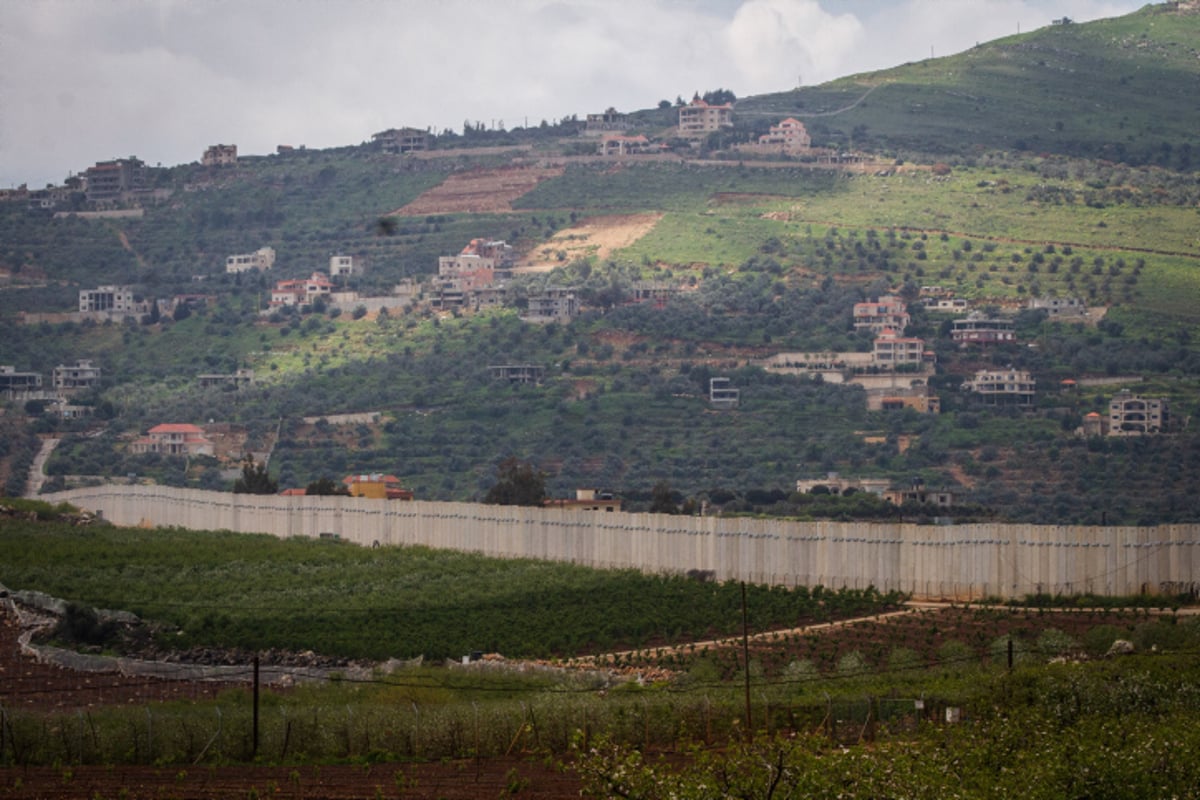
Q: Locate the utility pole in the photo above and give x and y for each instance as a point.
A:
(746, 659)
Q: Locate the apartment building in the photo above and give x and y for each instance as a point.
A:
(977, 328)
(344, 266)
(891, 350)
(698, 118)
(888, 312)
(111, 180)
(174, 439)
(83, 374)
(1132, 415)
(789, 137)
(401, 140)
(220, 155)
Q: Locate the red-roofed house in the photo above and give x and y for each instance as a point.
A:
(174, 439)
(301, 291)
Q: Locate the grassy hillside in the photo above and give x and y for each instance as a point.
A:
(1119, 89)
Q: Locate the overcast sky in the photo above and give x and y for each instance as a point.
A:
(88, 80)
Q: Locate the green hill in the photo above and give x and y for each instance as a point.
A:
(974, 188)
(1121, 89)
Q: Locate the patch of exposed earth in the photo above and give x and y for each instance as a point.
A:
(479, 191)
(595, 237)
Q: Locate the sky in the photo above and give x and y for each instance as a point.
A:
(88, 80)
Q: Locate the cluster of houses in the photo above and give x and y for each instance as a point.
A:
(67, 380)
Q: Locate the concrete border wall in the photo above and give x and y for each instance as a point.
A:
(932, 562)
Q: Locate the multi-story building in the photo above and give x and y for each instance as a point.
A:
(1059, 306)
(978, 328)
(174, 439)
(112, 299)
(16, 385)
(888, 312)
(1003, 386)
(1131, 415)
(340, 266)
(892, 350)
(722, 393)
(220, 155)
(401, 140)
(82, 375)
(261, 259)
(698, 118)
(789, 136)
(110, 180)
(553, 304)
(236, 379)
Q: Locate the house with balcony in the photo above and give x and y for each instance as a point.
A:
(260, 260)
(1014, 387)
(978, 328)
(114, 180)
(888, 312)
(1132, 415)
(83, 374)
(789, 137)
(698, 119)
(890, 350)
(723, 394)
(174, 439)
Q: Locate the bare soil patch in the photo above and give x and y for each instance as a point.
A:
(595, 237)
(479, 191)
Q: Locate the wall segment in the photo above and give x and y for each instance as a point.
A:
(959, 562)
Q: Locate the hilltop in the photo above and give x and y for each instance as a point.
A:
(1036, 174)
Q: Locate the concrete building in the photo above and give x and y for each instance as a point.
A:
(16, 385)
(698, 119)
(236, 379)
(1059, 306)
(1132, 415)
(344, 266)
(888, 312)
(722, 394)
(112, 299)
(608, 122)
(891, 350)
(479, 254)
(835, 484)
(220, 155)
(789, 137)
(612, 145)
(261, 260)
(82, 375)
(174, 439)
(1003, 387)
(401, 140)
(977, 328)
(553, 304)
(112, 180)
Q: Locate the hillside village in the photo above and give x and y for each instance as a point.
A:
(920, 331)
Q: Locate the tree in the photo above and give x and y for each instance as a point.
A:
(255, 479)
(662, 499)
(518, 483)
(325, 486)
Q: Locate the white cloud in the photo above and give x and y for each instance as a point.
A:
(776, 43)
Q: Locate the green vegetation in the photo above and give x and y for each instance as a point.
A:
(257, 592)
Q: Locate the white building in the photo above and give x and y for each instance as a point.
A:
(261, 259)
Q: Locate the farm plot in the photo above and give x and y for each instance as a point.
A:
(478, 191)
